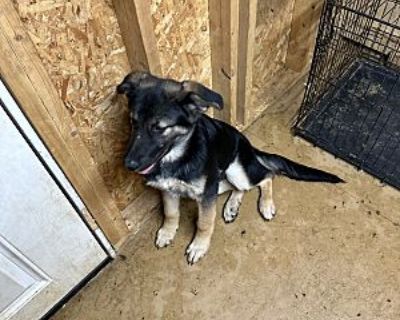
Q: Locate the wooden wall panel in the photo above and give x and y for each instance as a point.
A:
(303, 31)
(80, 45)
(271, 42)
(23, 72)
(182, 34)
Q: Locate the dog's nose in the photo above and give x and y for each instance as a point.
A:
(131, 164)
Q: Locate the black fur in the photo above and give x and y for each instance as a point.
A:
(282, 166)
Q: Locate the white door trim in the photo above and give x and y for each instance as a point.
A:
(36, 143)
(31, 277)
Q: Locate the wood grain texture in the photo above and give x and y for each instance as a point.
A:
(80, 45)
(182, 34)
(223, 20)
(270, 48)
(141, 209)
(247, 26)
(27, 79)
(137, 31)
(303, 30)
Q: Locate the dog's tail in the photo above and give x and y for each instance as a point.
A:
(282, 166)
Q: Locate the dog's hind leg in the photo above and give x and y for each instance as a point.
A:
(224, 186)
(232, 205)
(266, 205)
(171, 220)
(205, 227)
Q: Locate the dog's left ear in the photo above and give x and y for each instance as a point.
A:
(198, 97)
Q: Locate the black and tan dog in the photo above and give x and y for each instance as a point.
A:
(185, 153)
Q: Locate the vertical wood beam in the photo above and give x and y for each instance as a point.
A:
(134, 19)
(247, 27)
(223, 15)
(25, 76)
(305, 19)
(232, 29)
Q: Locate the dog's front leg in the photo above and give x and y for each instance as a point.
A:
(171, 220)
(205, 227)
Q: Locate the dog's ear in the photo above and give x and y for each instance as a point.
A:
(198, 97)
(132, 81)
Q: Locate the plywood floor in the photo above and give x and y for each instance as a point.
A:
(332, 252)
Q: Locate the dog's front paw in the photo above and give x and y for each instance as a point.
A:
(267, 210)
(196, 250)
(164, 237)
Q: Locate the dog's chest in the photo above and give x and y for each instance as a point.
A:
(193, 189)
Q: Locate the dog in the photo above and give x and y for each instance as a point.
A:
(185, 153)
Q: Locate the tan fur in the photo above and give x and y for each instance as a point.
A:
(171, 219)
(193, 190)
(266, 203)
(205, 228)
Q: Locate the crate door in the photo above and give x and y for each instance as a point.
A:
(45, 247)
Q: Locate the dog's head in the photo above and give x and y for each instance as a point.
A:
(163, 113)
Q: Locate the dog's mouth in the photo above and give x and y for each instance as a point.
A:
(144, 170)
(148, 169)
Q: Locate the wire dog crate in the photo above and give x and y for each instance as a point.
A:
(351, 106)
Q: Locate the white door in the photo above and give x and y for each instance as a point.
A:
(45, 247)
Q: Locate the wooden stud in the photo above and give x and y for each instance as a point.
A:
(223, 16)
(137, 31)
(25, 76)
(247, 27)
(232, 30)
(305, 19)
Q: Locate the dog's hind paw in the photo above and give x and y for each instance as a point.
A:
(230, 214)
(196, 250)
(267, 210)
(164, 237)
(231, 210)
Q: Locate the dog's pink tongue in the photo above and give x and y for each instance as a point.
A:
(147, 170)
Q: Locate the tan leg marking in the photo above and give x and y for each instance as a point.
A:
(265, 202)
(205, 227)
(171, 220)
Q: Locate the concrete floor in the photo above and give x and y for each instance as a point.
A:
(332, 252)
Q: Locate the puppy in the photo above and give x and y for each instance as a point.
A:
(185, 153)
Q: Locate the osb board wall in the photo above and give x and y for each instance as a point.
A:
(79, 43)
(183, 40)
(271, 43)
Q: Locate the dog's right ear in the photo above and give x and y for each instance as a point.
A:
(132, 81)
(195, 96)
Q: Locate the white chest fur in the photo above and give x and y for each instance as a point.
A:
(193, 190)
